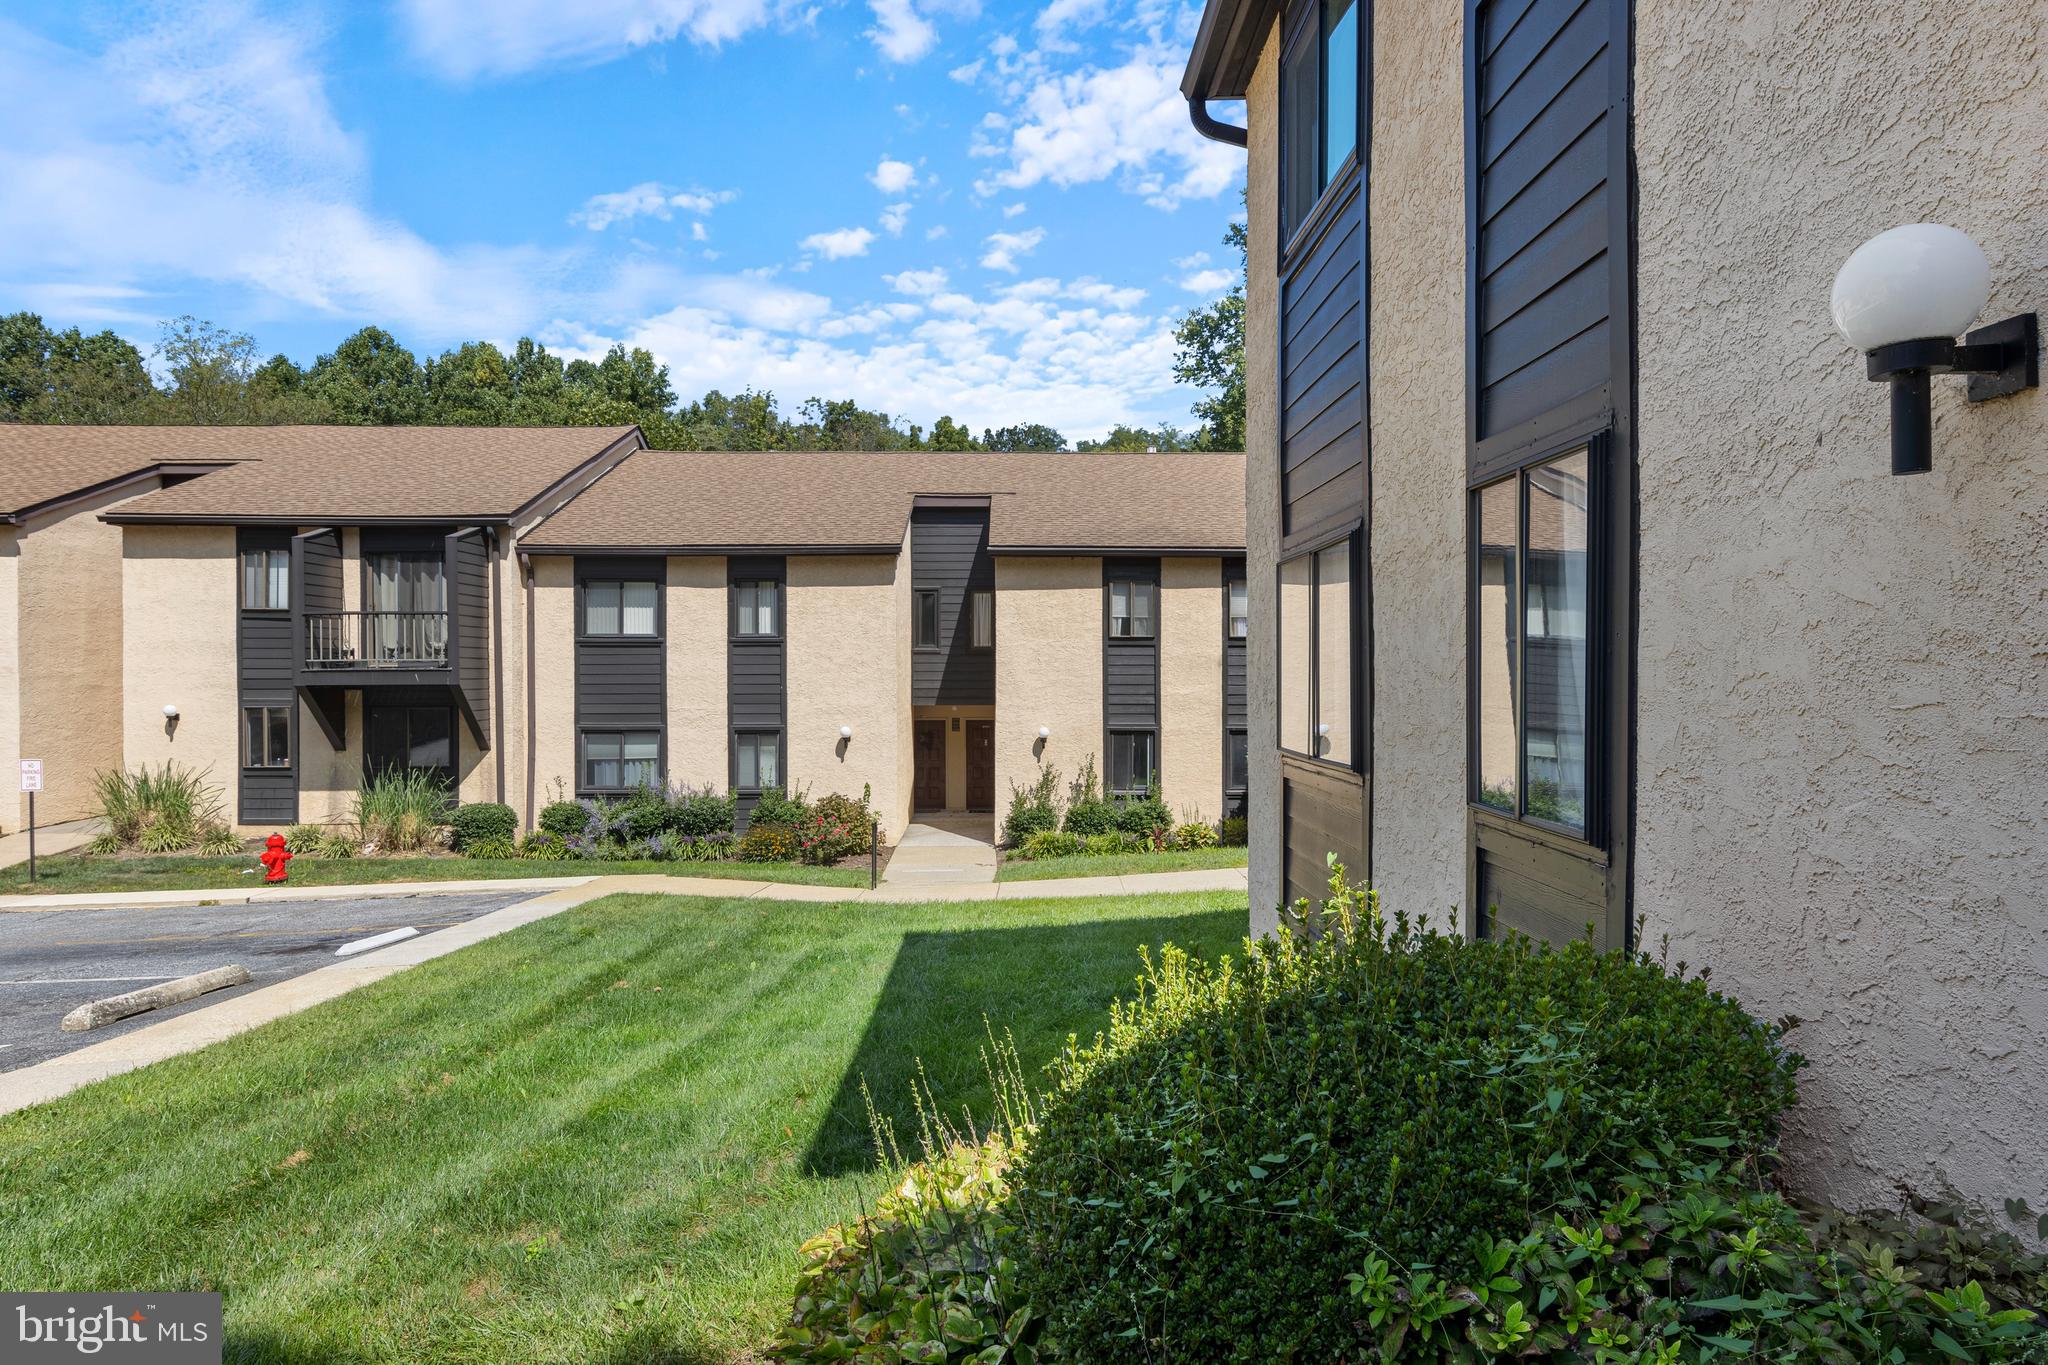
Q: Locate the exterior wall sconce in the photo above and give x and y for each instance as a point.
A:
(170, 712)
(846, 732)
(170, 721)
(1901, 298)
(1045, 732)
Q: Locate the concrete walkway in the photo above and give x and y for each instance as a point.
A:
(59, 838)
(933, 855)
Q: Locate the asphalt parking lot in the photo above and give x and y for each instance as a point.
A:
(52, 961)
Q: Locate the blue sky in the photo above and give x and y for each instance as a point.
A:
(933, 206)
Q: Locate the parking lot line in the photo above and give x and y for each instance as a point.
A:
(77, 980)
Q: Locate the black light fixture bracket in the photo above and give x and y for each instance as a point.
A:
(2000, 360)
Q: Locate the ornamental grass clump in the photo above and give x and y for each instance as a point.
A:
(398, 808)
(166, 809)
(1386, 1087)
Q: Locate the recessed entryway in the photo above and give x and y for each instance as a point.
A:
(954, 770)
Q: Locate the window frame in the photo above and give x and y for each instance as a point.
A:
(284, 711)
(1310, 28)
(919, 597)
(1351, 538)
(733, 610)
(1232, 587)
(1241, 735)
(756, 733)
(1151, 617)
(584, 734)
(1150, 734)
(271, 556)
(1595, 836)
(975, 598)
(620, 582)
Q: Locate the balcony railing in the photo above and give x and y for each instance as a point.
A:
(377, 639)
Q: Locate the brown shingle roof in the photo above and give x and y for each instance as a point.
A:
(829, 500)
(304, 474)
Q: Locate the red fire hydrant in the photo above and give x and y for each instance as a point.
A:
(275, 856)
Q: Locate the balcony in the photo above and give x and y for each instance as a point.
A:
(356, 641)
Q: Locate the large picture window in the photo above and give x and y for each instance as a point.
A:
(624, 608)
(1316, 655)
(267, 580)
(621, 760)
(1530, 665)
(1319, 107)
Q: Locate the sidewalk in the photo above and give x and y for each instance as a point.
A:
(932, 855)
(58, 838)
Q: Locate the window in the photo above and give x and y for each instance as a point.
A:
(925, 618)
(1239, 623)
(1131, 609)
(620, 608)
(1316, 654)
(756, 759)
(1319, 108)
(410, 737)
(1530, 661)
(1133, 761)
(1236, 762)
(266, 580)
(984, 604)
(758, 607)
(267, 736)
(621, 760)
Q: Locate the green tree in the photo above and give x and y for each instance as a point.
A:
(208, 370)
(370, 380)
(630, 377)
(1211, 356)
(470, 386)
(1123, 437)
(68, 376)
(842, 424)
(746, 421)
(1023, 436)
(948, 434)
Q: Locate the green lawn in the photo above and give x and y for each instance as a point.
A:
(71, 872)
(601, 1137)
(1118, 864)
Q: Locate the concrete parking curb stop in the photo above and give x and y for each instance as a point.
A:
(102, 1012)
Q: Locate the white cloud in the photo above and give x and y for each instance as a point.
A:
(1005, 247)
(900, 33)
(840, 243)
(893, 177)
(966, 72)
(894, 219)
(647, 199)
(917, 281)
(934, 232)
(1208, 281)
(1012, 210)
(463, 40)
(1126, 123)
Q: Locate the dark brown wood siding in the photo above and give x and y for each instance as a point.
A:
(1322, 369)
(757, 691)
(266, 674)
(949, 555)
(469, 624)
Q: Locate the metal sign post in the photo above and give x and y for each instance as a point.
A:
(31, 782)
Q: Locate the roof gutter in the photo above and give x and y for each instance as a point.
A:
(1212, 128)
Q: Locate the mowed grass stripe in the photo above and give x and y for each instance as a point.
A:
(607, 1173)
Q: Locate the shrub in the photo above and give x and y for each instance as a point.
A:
(491, 846)
(1234, 832)
(1690, 1254)
(103, 844)
(159, 810)
(857, 815)
(1114, 841)
(1193, 835)
(339, 846)
(1144, 815)
(219, 841)
(1095, 816)
(695, 812)
(398, 808)
(1050, 843)
(542, 846)
(1033, 809)
(768, 844)
(301, 840)
(483, 820)
(564, 819)
(777, 807)
(643, 815)
(1240, 1131)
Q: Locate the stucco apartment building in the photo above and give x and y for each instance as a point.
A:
(1595, 600)
(532, 613)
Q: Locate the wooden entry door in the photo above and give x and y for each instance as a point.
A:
(929, 778)
(981, 765)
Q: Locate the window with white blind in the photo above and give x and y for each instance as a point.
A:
(629, 607)
(757, 607)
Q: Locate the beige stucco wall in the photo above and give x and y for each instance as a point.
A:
(1843, 703)
(13, 809)
(554, 679)
(1191, 687)
(1048, 667)
(696, 645)
(179, 587)
(843, 668)
(68, 607)
(1262, 488)
(1417, 404)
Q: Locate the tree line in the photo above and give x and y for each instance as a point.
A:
(207, 375)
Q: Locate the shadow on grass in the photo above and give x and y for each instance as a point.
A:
(650, 1344)
(1040, 984)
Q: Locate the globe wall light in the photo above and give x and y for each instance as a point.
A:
(1901, 298)
(170, 712)
(1045, 732)
(846, 732)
